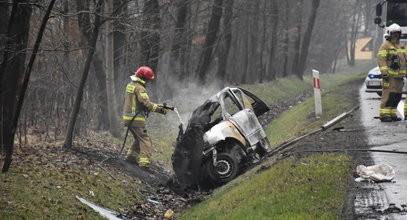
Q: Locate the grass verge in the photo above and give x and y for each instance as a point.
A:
(293, 189)
(45, 186)
(301, 119)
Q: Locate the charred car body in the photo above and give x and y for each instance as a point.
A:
(223, 136)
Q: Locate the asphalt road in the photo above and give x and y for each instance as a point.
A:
(387, 200)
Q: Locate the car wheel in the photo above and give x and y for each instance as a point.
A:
(379, 93)
(226, 168)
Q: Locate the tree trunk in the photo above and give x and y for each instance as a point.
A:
(66, 30)
(150, 38)
(263, 42)
(11, 73)
(179, 39)
(111, 92)
(246, 51)
(178, 48)
(353, 36)
(297, 41)
(273, 40)
(227, 39)
(286, 41)
(307, 38)
(5, 12)
(119, 38)
(79, 94)
(253, 44)
(85, 26)
(210, 39)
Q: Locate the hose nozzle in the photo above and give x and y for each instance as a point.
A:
(168, 107)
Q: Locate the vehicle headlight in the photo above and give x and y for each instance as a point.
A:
(371, 75)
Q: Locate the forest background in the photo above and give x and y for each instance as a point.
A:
(64, 64)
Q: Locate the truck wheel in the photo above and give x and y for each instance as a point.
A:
(226, 169)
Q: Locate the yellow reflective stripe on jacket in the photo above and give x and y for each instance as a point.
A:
(392, 72)
(394, 51)
(144, 95)
(393, 111)
(382, 53)
(133, 105)
(140, 80)
(144, 160)
(384, 68)
(386, 84)
(130, 88)
(125, 117)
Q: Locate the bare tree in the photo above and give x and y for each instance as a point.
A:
(26, 78)
(226, 41)
(307, 38)
(210, 39)
(273, 39)
(79, 94)
(353, 34)
(110, 87)
(11, 73)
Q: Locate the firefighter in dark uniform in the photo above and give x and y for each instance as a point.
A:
(136, 107)
(392, 63)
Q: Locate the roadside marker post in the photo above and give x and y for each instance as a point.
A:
(317, 93)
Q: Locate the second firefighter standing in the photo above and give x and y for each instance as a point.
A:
(392, 63)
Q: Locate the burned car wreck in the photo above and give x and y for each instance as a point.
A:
(222, 138)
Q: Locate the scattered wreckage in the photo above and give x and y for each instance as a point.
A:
(223, 137)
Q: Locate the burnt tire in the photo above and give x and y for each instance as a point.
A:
(226, 169)
(260, 150)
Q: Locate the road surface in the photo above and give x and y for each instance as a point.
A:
(386, 200)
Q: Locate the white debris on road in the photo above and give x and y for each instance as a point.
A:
(376, 173)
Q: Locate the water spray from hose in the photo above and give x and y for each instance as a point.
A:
(180, 119)
(172, 108)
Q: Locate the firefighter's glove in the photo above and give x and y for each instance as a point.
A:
(162, 110)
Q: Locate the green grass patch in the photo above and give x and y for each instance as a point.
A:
(280, 89)
(293, 189)
(301, 118)
(49, 193)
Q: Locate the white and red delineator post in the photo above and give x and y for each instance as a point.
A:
(317, 93)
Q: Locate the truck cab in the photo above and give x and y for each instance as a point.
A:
(392, 11)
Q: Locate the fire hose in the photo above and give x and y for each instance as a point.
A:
(165, 106)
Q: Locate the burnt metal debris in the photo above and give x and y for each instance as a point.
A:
(222, 137)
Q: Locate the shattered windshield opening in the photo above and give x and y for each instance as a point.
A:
(231, 106)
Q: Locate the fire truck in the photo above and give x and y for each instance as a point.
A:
(392, 11)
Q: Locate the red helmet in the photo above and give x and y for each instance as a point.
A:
(145, 72)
